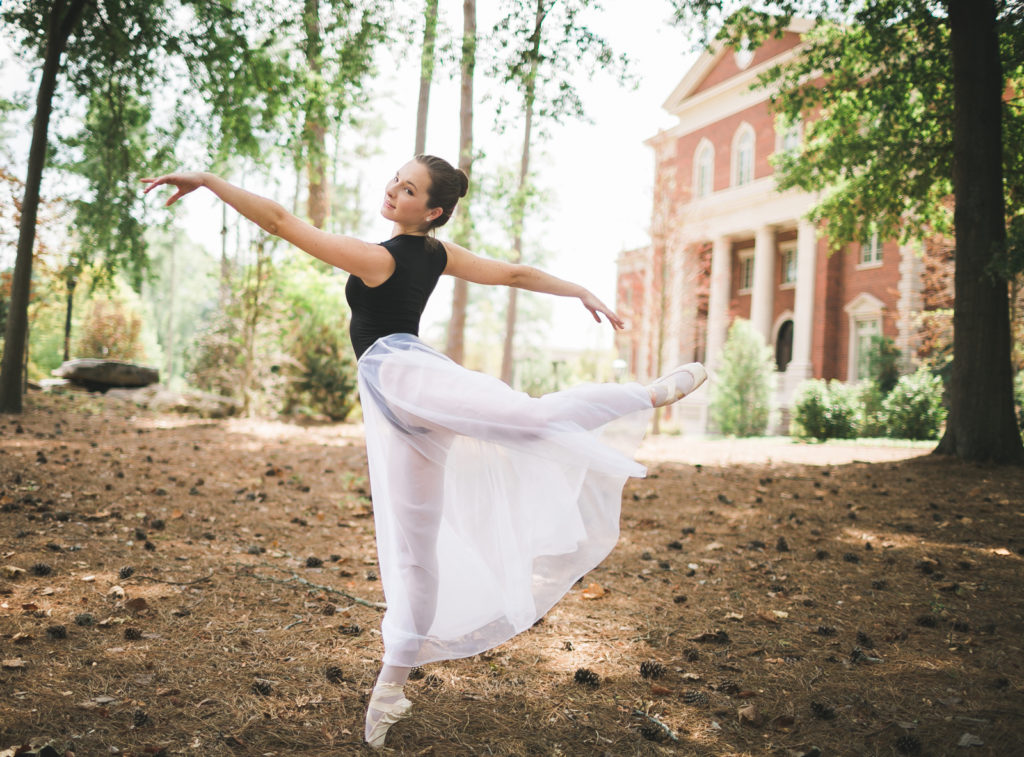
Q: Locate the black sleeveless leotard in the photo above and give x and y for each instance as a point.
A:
(395, 306)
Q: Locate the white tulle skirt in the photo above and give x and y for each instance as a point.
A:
(489, 504)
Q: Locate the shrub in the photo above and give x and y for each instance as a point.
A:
(871, 418)
(323, 374)
(883, 363)
(824, 410)
(741, 396)
(914, 408)
(111, 329)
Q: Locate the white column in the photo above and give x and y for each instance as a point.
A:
(910, 287)
(762, 298)
(718, 298)
(800, 367)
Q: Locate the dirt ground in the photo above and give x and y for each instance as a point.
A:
(175, 586)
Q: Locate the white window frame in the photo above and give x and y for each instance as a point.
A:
(787, 248)
(870, 253)
(861, 309)
(705, 148)
(744, 132)
(746, 258)
(743, 56)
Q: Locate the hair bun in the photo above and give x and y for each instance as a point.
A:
(463, 182)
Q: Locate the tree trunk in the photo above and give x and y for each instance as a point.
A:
(72, 281)
(455, 347)
(981, 425)
(426, 75)
(315, 131)
(529, 96)
(63, 18)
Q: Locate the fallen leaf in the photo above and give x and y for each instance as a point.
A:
(748, 714)
(13, 663)
(136, 605)
(783, 723)
(734, 616)
(714, 546)
(780, 613)
(21, 638)
(594, 591)
(660, 690)
(13, 571)
(89, 578)
(116, 592)
(98, 515)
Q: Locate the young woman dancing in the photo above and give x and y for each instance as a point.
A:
(488, 504)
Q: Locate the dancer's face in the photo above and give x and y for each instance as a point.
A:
(405, 198)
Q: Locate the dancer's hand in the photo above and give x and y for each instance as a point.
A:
(595, 306)
(184, 182)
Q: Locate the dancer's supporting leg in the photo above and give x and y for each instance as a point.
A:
(415, 489)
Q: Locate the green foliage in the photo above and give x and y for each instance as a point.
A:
(321, 371)
(111, 329)
(215, 363)
(871, 418)
(824, 410)
(883, 363)
(741, 395)
(914, 409)
(1018, 399)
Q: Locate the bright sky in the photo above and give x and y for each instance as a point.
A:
(599, 174)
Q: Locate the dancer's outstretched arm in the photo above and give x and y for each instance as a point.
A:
(370, 262)
(465, 265)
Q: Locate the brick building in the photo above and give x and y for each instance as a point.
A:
(727, 243)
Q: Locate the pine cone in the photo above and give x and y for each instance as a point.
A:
(262, 686)
(825, 631)
(140, 718)
(313, 562)
(691, 654)
(334, 674)
(729, 687)
(652, 732)
(651, 669)
(927, 621)
(41, 569)
(695, 697)
(126, 572)
(57, 632)
(352, 630)
(586, 677)
(864, 640)
(822, 711)
(132, 634)
(908, 744)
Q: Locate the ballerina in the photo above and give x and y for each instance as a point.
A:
(488, 504)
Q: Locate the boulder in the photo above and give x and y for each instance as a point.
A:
(99, 375)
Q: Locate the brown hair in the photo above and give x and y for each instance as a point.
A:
(447, 185)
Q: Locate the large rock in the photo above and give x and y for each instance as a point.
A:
(97, 374)
(163, 400)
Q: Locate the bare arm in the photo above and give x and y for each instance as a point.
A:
(370, 262)
(464, 264)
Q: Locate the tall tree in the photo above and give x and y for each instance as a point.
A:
(455, 347)
(904, 103)
(62, 17)
(542, 64)
(426, 74)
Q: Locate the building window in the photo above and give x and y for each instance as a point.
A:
(746, 271)
(871, 248)
(789, 265)
(789, 136)
(743, 156)
(705, 163)
(865, 312)
(865, 330)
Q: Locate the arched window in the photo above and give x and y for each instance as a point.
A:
(784, 346)
(743, 156)
(704, 169)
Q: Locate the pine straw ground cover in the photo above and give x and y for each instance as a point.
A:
(862, 609)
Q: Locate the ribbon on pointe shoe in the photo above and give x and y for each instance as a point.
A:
(390, 711)
(677, 384)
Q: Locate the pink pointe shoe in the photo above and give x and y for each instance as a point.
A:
(675, 385)
(389, 704)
